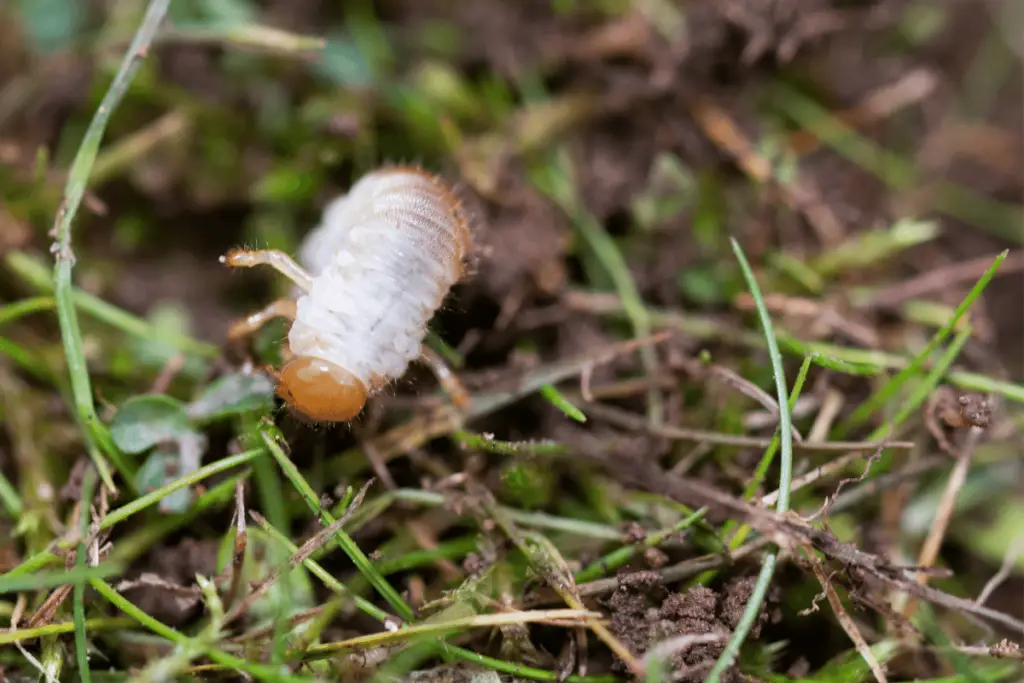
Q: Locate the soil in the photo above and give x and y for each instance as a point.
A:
(645, 613)
(647, 82)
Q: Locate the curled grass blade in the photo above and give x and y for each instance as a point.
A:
(764, 578)
(743, 530)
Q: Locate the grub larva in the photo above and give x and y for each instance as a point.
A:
(368, 280)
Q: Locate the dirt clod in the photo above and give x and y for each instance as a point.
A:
(645, 613)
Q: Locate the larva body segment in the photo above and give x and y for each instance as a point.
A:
(382, 260)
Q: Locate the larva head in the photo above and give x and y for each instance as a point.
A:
(321, 391)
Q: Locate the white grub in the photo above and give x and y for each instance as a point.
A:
(368, 280)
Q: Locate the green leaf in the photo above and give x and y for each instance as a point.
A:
(169, 463)
(233, 395)
(170, 320)
(52, 25)
(161, 468)
(144, 421)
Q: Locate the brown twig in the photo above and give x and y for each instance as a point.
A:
(941, 278)
(844, 619)
(546, 561)
(933, 543)
(719, 127)
(788, 531)
(238, 552)
(1012, 553)
(627, 420)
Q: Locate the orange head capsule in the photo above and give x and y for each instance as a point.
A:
(321, 391)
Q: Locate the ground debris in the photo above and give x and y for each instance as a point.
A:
(173, 566)
(644, 613)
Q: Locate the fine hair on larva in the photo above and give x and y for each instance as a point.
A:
(368, 279)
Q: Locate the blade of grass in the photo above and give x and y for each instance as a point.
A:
(51, 579)
(78, 598)
(93, 429)
(538, 520)
(60, 628)
(260, 671)
(521, 670)
(19, 309)
(153, 497)
(887, 390)
(489, 445)
(33, 563)
(359, 559)
(622, 555)
(28, 360)
(9, 498)
(35, 274)
(446, 550)
(830, 356)
(996, 218)
(743, 531)
(925, 388)
(326, 577)
(554, 179)
(575, 616)
(555, 398)
(760, 591)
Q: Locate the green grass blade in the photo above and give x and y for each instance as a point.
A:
(995, 217)
(558, 400)
(926, 387)
(153, 497)
(52, 579)
(350, 548)
(78, 599)
(78, 178)
(878, 399)
(259, 671)
(9, 498)
(34, 273)
(764, 578)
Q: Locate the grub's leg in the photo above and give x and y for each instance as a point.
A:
(282, 308)
(278, 260)
(446, 377)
